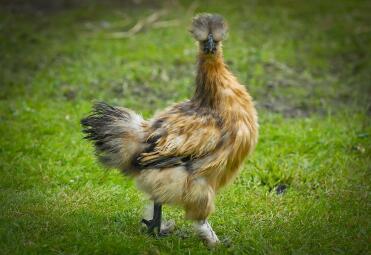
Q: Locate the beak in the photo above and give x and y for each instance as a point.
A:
(209, 44)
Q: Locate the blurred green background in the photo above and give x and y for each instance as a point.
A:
(306, 63)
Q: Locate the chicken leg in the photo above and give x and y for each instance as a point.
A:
(206, 233)
(153, 220)
(154, 225)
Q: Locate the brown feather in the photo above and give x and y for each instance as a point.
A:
(186, 153)
(214, 131)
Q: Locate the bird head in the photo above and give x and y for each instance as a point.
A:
(209, 30)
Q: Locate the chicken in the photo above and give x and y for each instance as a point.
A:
(185, 154)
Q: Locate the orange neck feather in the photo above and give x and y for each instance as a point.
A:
(210, 79)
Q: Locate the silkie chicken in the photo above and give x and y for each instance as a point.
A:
(185, 154)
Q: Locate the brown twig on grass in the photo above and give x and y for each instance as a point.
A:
(192, 8)
(139, 26)
(166, 23)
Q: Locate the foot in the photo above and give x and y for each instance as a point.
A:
(167, 227)
(206, 233)
(154, 225)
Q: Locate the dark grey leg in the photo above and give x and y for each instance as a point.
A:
(154, 225)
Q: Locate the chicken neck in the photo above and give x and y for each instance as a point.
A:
(212, 78)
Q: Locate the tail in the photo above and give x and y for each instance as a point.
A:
(117, 134)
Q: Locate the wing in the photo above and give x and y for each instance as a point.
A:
(180, 135)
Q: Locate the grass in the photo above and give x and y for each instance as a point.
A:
(306, 64)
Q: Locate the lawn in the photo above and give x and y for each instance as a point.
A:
(306, 63)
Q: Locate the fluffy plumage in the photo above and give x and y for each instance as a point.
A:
(205, 24)
(117, 133)
(186, 153)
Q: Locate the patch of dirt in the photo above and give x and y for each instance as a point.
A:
(69, 92)
(290, 92)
